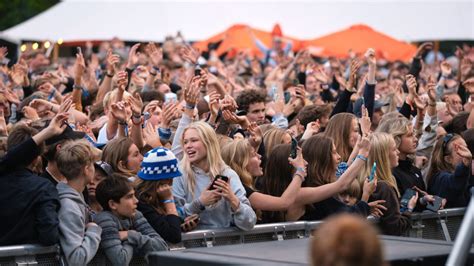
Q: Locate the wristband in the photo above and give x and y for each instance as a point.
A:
(51, 95)
(168, 201)
(153, 73)
(136, 120)
(77, 87)
(122, 123)
(109, 75)
(164, 133)
(157, 69)
(410, 209)
(362, 157)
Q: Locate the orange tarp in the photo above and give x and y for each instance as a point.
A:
(359, 38)
(238, 38)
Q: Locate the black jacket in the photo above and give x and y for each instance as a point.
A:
(408, 176)
(28, 203)
(167, 226)
(321, 210)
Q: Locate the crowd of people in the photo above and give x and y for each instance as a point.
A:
(127, 148)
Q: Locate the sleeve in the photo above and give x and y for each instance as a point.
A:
(244, 218)
(79, 248)
(145, 237)
(118, 252)
(47, 223)
(280, 121)
(361, 207)
(179, 193)
(405, 110)
(428, 138)
(342, 103)
(261, 46)
(176, 147)
(167, 226)
(461, 177)
(248, 191)
(369, 98)
(392, 222)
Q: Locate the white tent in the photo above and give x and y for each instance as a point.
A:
(152, 20)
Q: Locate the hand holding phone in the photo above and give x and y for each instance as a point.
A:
(222, 177)
(372, 172)
(435, 205)
(294, 148)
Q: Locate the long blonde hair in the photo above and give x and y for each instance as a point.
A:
(273, 137)
(213, 158)
(379, 152)
(237, 156)
(397, 127)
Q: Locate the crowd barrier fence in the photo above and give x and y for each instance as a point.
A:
(442, 225)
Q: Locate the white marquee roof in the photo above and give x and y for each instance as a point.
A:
(78, 20)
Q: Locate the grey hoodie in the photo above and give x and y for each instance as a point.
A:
(142, 238)
(79, 244)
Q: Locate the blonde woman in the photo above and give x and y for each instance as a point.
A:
(384, 151)
(123, 156)
(244, 160)
(222, 204)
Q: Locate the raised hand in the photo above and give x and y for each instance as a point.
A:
(370, 57)
(232, 118)
(151, 137)
(299, 163)
(431, 88)
(312, 128)
(189, 54)
(229, 103)
(122, 80)
(369, 187)
(191, 91)
(19, 73)
(3, 124)
(41, 105)
(119, 112)
(133, 56)
(30, 113)
(154, 54)
(168, 114)
(364, 146)
(136, 104)
(446, 69)
(112, 62)
(465, 68)
(464, 153)
(3, 52)
(79, 68)
(57, 125)
(164, 192)
(321, 75)
(256, 135)
(225, 190)
(423, 48)
(354, 69)
(365, 122)
(469, 85)
(214, 103)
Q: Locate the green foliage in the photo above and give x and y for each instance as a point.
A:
(14, 12)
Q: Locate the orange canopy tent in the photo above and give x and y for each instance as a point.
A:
(239, 38)
(359, 38)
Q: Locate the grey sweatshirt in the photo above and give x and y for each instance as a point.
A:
(142, 238)
(219, 214)
(79, 244)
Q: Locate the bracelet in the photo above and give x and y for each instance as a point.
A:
(168, 201)
(77, 87)
(157, 69)
(362, 157)
(153, 73)
(122, 123)
(109, 75)
(136, 120)
(432, 104)
(190, 107)
(410, 209)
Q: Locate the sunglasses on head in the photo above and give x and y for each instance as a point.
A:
(446, 140)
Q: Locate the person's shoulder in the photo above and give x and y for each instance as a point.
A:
(105, 216)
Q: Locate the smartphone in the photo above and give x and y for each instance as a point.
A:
(409, 193)
(294, 148)
(197, 71)
(372, 172)
(170, 97)
(436, 205)
(146, 116)
(274, 91)
(79, 50)
(223, 177)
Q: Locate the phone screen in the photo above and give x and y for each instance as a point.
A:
(372, 172)
(294, 146)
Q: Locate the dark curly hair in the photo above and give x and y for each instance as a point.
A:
(248, 97)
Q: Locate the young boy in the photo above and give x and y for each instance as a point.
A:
(124, 229)
(79, 236)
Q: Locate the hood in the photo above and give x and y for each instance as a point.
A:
(67, 192)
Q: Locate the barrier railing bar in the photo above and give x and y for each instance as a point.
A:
(463, 242)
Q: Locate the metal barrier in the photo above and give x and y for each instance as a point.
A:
(466, 237)
(442, 226)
